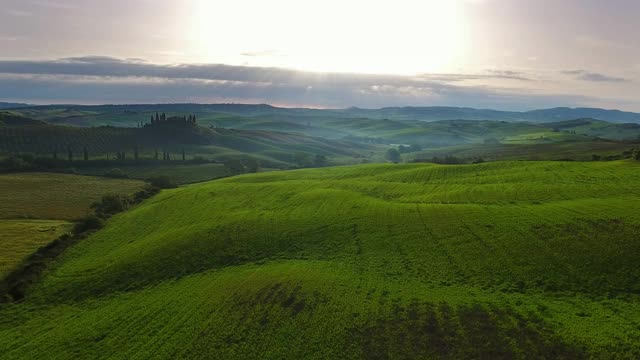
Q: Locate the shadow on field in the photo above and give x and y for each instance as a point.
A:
(441, 331)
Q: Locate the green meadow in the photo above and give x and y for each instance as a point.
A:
(494, 260)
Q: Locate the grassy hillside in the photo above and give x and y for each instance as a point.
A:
(274, 149)
(494, 260)
(529, 150)
(181, 174)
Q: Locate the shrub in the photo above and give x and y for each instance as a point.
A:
(15, 163)
(393, 155)
(110, 204)
(88, 223)
(251, 165)
(320, 160)
(162, 182)
(116, 173)
(234, 166)
(145, 193)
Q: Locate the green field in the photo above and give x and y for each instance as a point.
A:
(494, 260)
(56, 196)
(20, 238)
(180, 173)
(574, 150)
(36, 208)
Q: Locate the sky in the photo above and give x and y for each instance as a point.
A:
(502, 54)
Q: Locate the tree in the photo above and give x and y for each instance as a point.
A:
(184, 157)
(55, 154)
(251, 165)
(69, 154)
(393, 155)
(110, 204)
(303, 159)
(320, 160)
(156, 155)
(415, 148)
(85, 153)
(135, 153)
(234, 166)
(162, 182)
(157, 118)
(116, 173)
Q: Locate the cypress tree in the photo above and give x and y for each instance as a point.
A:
(135, 153)
(55, 154)
(156, 156)
(85, 153)
(69, 154)
(183, 155)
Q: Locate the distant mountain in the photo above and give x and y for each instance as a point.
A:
(7, 105)
(564, 113)
(427, 113)
(436, 113)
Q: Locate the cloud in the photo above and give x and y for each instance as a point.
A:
(260, 53)
(101, 79)
(18, 13)
(591, 76)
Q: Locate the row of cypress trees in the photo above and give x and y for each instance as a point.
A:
(120, 155)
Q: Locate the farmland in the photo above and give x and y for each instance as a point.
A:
(55, 196)
(180, 173)
(493, 260)
(20, 238)
(36, 208)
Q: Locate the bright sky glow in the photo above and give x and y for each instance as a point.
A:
(508, 54)
(389, 37)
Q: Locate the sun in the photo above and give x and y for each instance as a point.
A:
(399, 37)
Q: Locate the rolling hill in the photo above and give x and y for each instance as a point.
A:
(495, 260)
(76, 113)
(273, 149)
